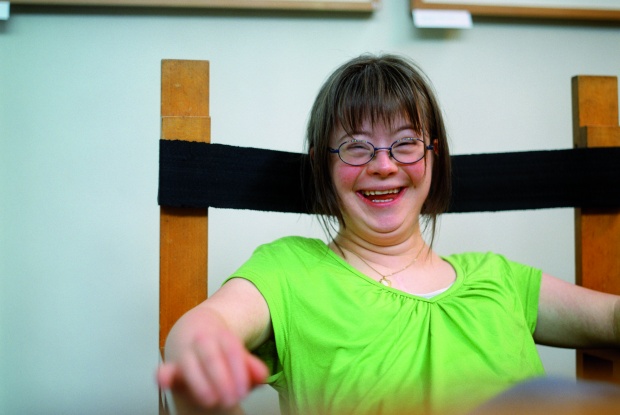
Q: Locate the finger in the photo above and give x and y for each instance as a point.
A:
(165, 375)
(257, 369)
(235, 353)
(215, 368)
(197, 382)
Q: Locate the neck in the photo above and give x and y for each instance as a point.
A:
(389, 256)
(383, 264)
(382, 237)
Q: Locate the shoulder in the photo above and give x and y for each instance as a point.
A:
(288, 251)
(474, 260)
(488, 262)
(294, 244)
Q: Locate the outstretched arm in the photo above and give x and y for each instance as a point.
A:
(207, 362)
(576, 317)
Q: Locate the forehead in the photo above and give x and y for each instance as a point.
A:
(367, 126)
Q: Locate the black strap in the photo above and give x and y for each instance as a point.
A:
(215, 175)
(587, 178)
(202, 175)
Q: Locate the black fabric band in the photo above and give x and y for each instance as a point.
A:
(216, 175)
(202, 175)
(587, 178)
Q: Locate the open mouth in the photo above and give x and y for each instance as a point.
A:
(380, 196)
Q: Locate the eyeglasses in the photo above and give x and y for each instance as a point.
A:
(359, 152)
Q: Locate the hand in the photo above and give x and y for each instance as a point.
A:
(215, 371)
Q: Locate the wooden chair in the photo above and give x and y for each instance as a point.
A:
(183, 231)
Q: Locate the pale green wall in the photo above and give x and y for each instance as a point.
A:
(79, 123)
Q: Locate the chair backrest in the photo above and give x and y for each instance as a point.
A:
(597, 231)
(183, 231)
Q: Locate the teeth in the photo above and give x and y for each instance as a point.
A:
(380, 192)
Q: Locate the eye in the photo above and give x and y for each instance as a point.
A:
(356, 147)
(407, 145)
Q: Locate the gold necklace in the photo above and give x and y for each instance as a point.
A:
(384, 278)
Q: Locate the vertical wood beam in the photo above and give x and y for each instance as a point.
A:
(597, 232)
(183, 231)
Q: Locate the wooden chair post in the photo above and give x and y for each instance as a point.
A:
(183, 231)
(597, 232)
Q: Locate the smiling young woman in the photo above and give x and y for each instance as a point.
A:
(374, 321)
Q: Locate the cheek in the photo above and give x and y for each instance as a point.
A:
(344, 176)
(419, 171)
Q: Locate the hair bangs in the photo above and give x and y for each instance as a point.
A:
(377, 95)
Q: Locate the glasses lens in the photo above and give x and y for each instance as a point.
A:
(408, 150)
(356, 152)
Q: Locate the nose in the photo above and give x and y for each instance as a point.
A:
(382, 163)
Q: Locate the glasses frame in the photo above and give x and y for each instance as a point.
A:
(427, 147)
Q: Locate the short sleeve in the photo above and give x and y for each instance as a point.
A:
(266, 270)
(527, 282)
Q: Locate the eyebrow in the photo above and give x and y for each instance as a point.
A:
(368, 133)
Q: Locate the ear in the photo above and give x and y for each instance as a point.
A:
(311, 153)
(436, 146)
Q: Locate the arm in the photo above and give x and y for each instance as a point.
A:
(573, 316)
(207, 357)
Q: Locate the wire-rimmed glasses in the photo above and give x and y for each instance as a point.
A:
(359, 152)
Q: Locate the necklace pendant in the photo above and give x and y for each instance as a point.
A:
(385, 282)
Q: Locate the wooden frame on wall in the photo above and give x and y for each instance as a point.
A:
(608, 10)
(308, 5)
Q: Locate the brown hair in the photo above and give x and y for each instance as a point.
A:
(376, 88)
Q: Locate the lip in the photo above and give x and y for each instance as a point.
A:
(381, 197)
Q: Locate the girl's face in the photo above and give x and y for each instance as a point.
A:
(381, 201)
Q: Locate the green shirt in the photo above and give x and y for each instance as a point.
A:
(346, 344)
